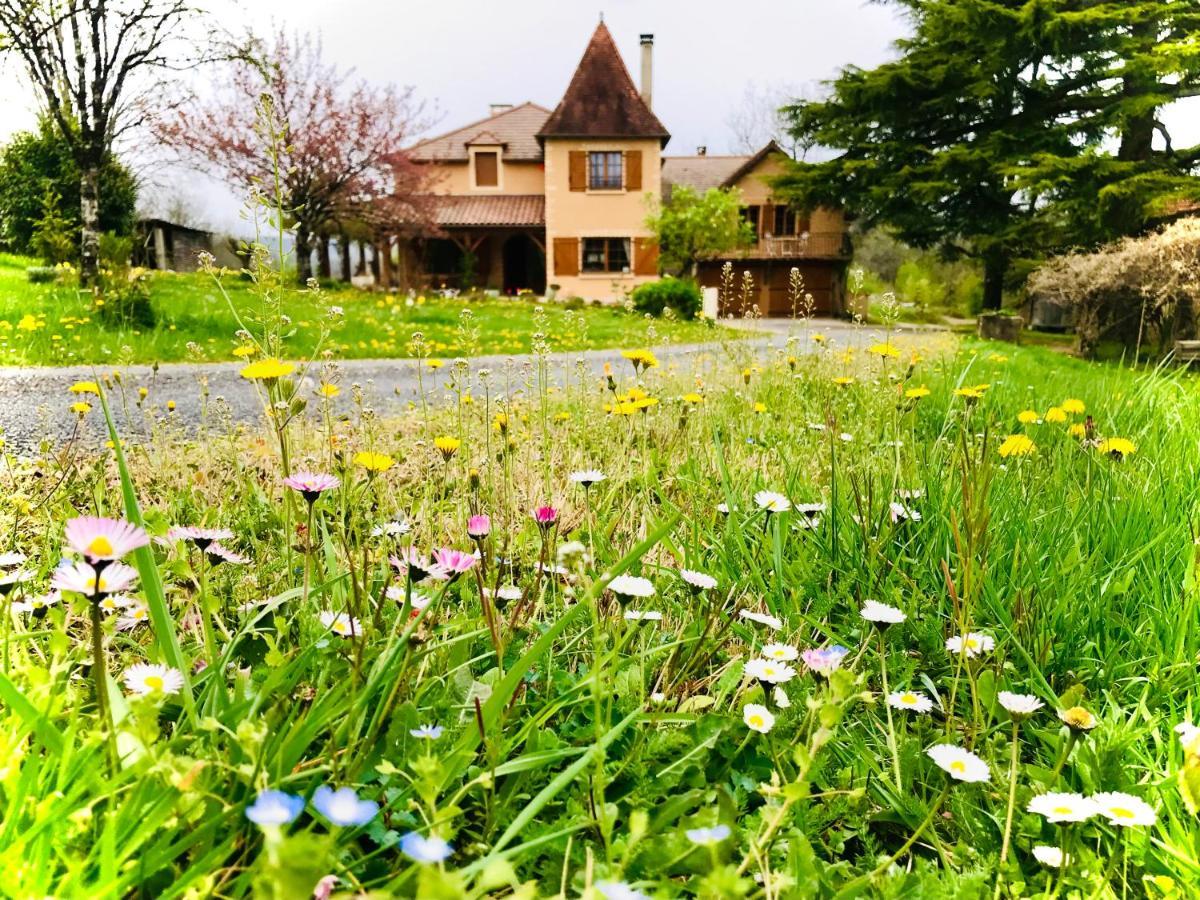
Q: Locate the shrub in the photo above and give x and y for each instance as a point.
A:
(124, 292)
(41, 274)
(679, 294)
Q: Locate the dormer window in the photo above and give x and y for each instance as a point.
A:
(605, 170)
(487, 168)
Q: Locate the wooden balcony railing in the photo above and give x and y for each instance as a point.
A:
(813, 245)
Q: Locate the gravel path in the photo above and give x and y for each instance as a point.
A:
(35, 401)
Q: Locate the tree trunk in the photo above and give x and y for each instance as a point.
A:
(995, 265)
(303, 256)
(324, 266)
(89, 218)
(361, 268)
(344, 257)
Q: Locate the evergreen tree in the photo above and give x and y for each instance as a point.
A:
(1007, 128)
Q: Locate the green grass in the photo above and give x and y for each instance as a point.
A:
(579, 746)
(195, 323)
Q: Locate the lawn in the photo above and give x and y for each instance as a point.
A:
(195, 322)
(917, 621)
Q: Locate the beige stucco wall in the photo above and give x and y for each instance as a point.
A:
(515, 178)
(756, 191)
(581, 214)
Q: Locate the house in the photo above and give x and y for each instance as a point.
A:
(169, 246)
(534, 199)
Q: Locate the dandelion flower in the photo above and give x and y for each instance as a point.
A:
(1056, 415)
(85, 387)
(145, 678)
(972, 644)
(1028, 417)
(1017, 445)
(1117, 448)
(1072, 406)
(913, 701)
(343, 807)
(447, 446)
(267, 370)
(99, 539)
(961, 764)
(374, 463)
(917, 393)
(1125, 810)
(1057, 808)
(758, 718)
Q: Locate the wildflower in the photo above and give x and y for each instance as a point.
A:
(10, 580)
(201, 537)
(427, 732)
(914, 701)
(267, 370)
(884, 351)
(898, 512)
(447, 446)
(219, 553)
(1077, 430)
(631, 586)
(760, 408)
(243, 351)
(453, 562)
(1017, 445)
(1050, 856)
(37, 606)
(761, 618)
(1028, 417)
(781, 652)
(769, 672)
(1072, 406)
(11, 558)
(772, 502)
(479, 527)
(1124, 809)
(881, 614)
(1078, 719)
(103, 540)
(824, 661)
(85, 387)
(416, 566)
(817, 338)
(843, 381)
(972, 392)
(342, 807)
(1117, 448)
(1056, 415)
(961, 764)
(311, 484)
(81, 408)
(135, 614)
(1019, 706)
(146, 679)
(80, 578)
(421, 849)
(393, 529)
(619, 890)
(917, 393)
(374, 463)
(341, 624)
(328, 391)
(706, 836)
(1057, 808)
(972, 644)
(546, 517)
(758, 718)
(693, 398)
(274, 808)
(435, 364)
(587, 477)
(637, 615)
(641, 359)
(698, 581)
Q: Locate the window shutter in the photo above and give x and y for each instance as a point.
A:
(577, 170)
(566, 256)
(766, 222)
(645, 256)
(486, 169)
(633, 170)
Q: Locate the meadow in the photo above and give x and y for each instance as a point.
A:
(197, 320)
(912, 619)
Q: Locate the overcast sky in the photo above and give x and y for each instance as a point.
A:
(464, 54)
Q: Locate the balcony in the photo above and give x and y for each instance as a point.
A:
(811, 245)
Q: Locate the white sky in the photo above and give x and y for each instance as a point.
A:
(464, 54)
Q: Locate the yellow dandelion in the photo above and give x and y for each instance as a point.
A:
(640, 358)
(267, 370)
(1072, 406)
(243, 351)
(1077, 430)
(1117, 447)
(884, 351)
(1056, 414)
(85, 387)
(434, 363)
(693, 398)
(373, 462)
(447, 446)
(843, 380)
(329, 390)
(1017, 445)
(818, 338)
(81, 408)
(1027, 417)
(917, 393)
(760, 407)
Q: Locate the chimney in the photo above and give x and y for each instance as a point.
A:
(497, 108)
(702, 150)
(647, 42)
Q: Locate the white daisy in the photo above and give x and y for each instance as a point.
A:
(341, 624)
(637, 615)
(632, 586)
(1124, 809)
(781, 698)
(1050, 856)
(770, 672)
(772, 502)
(761, 618)
(1187, 733)
(780, 652)
(914, 701)
(1019, 706)
(1061, 807)
(758, 718)
(973, 644)
(881, 613)
(810, 510)
(901, 513)
(145, 678)
(698, 580)
(961, 764)
(587, 477)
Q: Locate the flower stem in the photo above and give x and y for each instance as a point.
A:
(888, 709)
(851, 888)
(1012, 800)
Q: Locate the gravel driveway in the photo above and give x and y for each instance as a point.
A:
(35, 401)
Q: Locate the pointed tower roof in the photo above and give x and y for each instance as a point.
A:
(602, 101)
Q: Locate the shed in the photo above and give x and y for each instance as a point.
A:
(170, 246)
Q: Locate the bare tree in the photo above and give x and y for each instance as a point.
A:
(92, 63)
(757, 118)
(343, 140)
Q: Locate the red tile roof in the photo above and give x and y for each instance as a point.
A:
(515, 128)
(499, 211)
(601, 101)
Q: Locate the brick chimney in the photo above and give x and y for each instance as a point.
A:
(496, 108)
(647, 42)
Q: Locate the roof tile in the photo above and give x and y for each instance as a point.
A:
(495, 211)
(516, 128)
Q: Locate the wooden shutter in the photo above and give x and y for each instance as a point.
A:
(486, 169)
(577, 170)
(633, 170)
(566, 256)
(645, 256)
(766, 221)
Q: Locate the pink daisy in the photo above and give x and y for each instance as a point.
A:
(201, 537)
(104, 540)
(80, 578)
(311, 484)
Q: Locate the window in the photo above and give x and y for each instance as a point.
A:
(750, 216)
(785, 221)
(605, 254)
(487, 171)
(604, 170)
